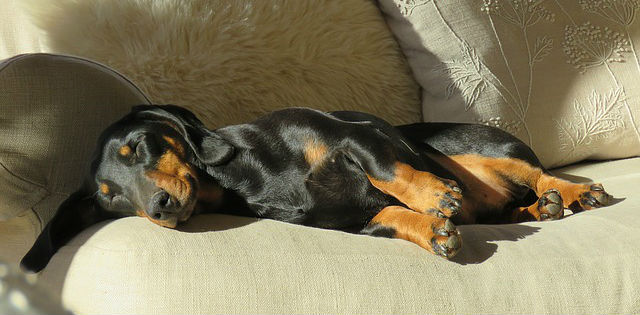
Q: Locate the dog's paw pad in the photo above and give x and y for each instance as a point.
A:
(596, 197)
(591, 197)
(550, 205)
(448, 200)
(446, 241)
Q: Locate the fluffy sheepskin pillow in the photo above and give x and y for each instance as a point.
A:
(231, 61)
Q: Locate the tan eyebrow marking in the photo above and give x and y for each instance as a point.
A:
(104, 189)
(175, 145)
(125, 150)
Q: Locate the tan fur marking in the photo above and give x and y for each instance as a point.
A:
(569, 191)
(164, 223)
(409, 225)
(175, 145)
(416, 189)
(210, 193)
(125, 150)
(170, 175)
(210, 196)
(104, 189)
(486, 188)
(524, 214)
(314, 152)
(488, 180)
(519, 172)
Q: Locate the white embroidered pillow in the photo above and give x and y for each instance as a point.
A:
(561, 75)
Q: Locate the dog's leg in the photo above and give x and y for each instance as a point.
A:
(421, 191)
(435, 234)
(493, 182)
(575, 196)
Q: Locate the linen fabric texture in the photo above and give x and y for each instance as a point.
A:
(52, 109)
(585, 263)
(560, 75)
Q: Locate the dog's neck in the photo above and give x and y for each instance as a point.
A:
(214, 198)
(210, 194)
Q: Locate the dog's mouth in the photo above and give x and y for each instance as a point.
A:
(175, 200)
(168, 222)
(183, 187)
(178, 183)
(173, 211)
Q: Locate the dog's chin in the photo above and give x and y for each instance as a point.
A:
(187, 211)
(171, 223)
(173, 220)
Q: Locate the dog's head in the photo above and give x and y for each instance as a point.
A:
(151, 163)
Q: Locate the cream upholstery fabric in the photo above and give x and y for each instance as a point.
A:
(17, 235)
(584, 264)
(561, 75)
(52, 109)
(231, 61)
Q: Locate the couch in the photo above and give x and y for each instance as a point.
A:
(52, 105)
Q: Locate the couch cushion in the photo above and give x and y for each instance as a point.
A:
(561, 75)
(231, 61)
(52, 109)
(585, 263)
(17, 236)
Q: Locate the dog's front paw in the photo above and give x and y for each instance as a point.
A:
(549, 206)
(446, 200)
(437, 235)
(589, 196)
(594, 197)
(446, 241)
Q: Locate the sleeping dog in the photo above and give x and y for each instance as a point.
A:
(342, 170)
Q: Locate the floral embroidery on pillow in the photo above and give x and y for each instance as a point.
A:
(589, 46)
(594, 120)
(406, 6)
(557, 74)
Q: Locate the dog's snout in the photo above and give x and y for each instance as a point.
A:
(164, 199)
(161, 205)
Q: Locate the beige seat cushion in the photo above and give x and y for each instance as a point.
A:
(52, 109)
(561, 75)
(584, 264)
(17, 235)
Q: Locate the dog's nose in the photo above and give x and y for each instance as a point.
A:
(161, 206)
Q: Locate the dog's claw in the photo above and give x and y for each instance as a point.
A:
(449, 226)
(597, 187)
(453, 242)
(448, 241)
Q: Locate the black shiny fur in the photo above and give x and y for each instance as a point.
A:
(262, 169)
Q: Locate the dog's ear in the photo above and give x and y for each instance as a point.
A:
(76, 213)
(208, 146)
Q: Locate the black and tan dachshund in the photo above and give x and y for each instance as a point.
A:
(342, 170)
